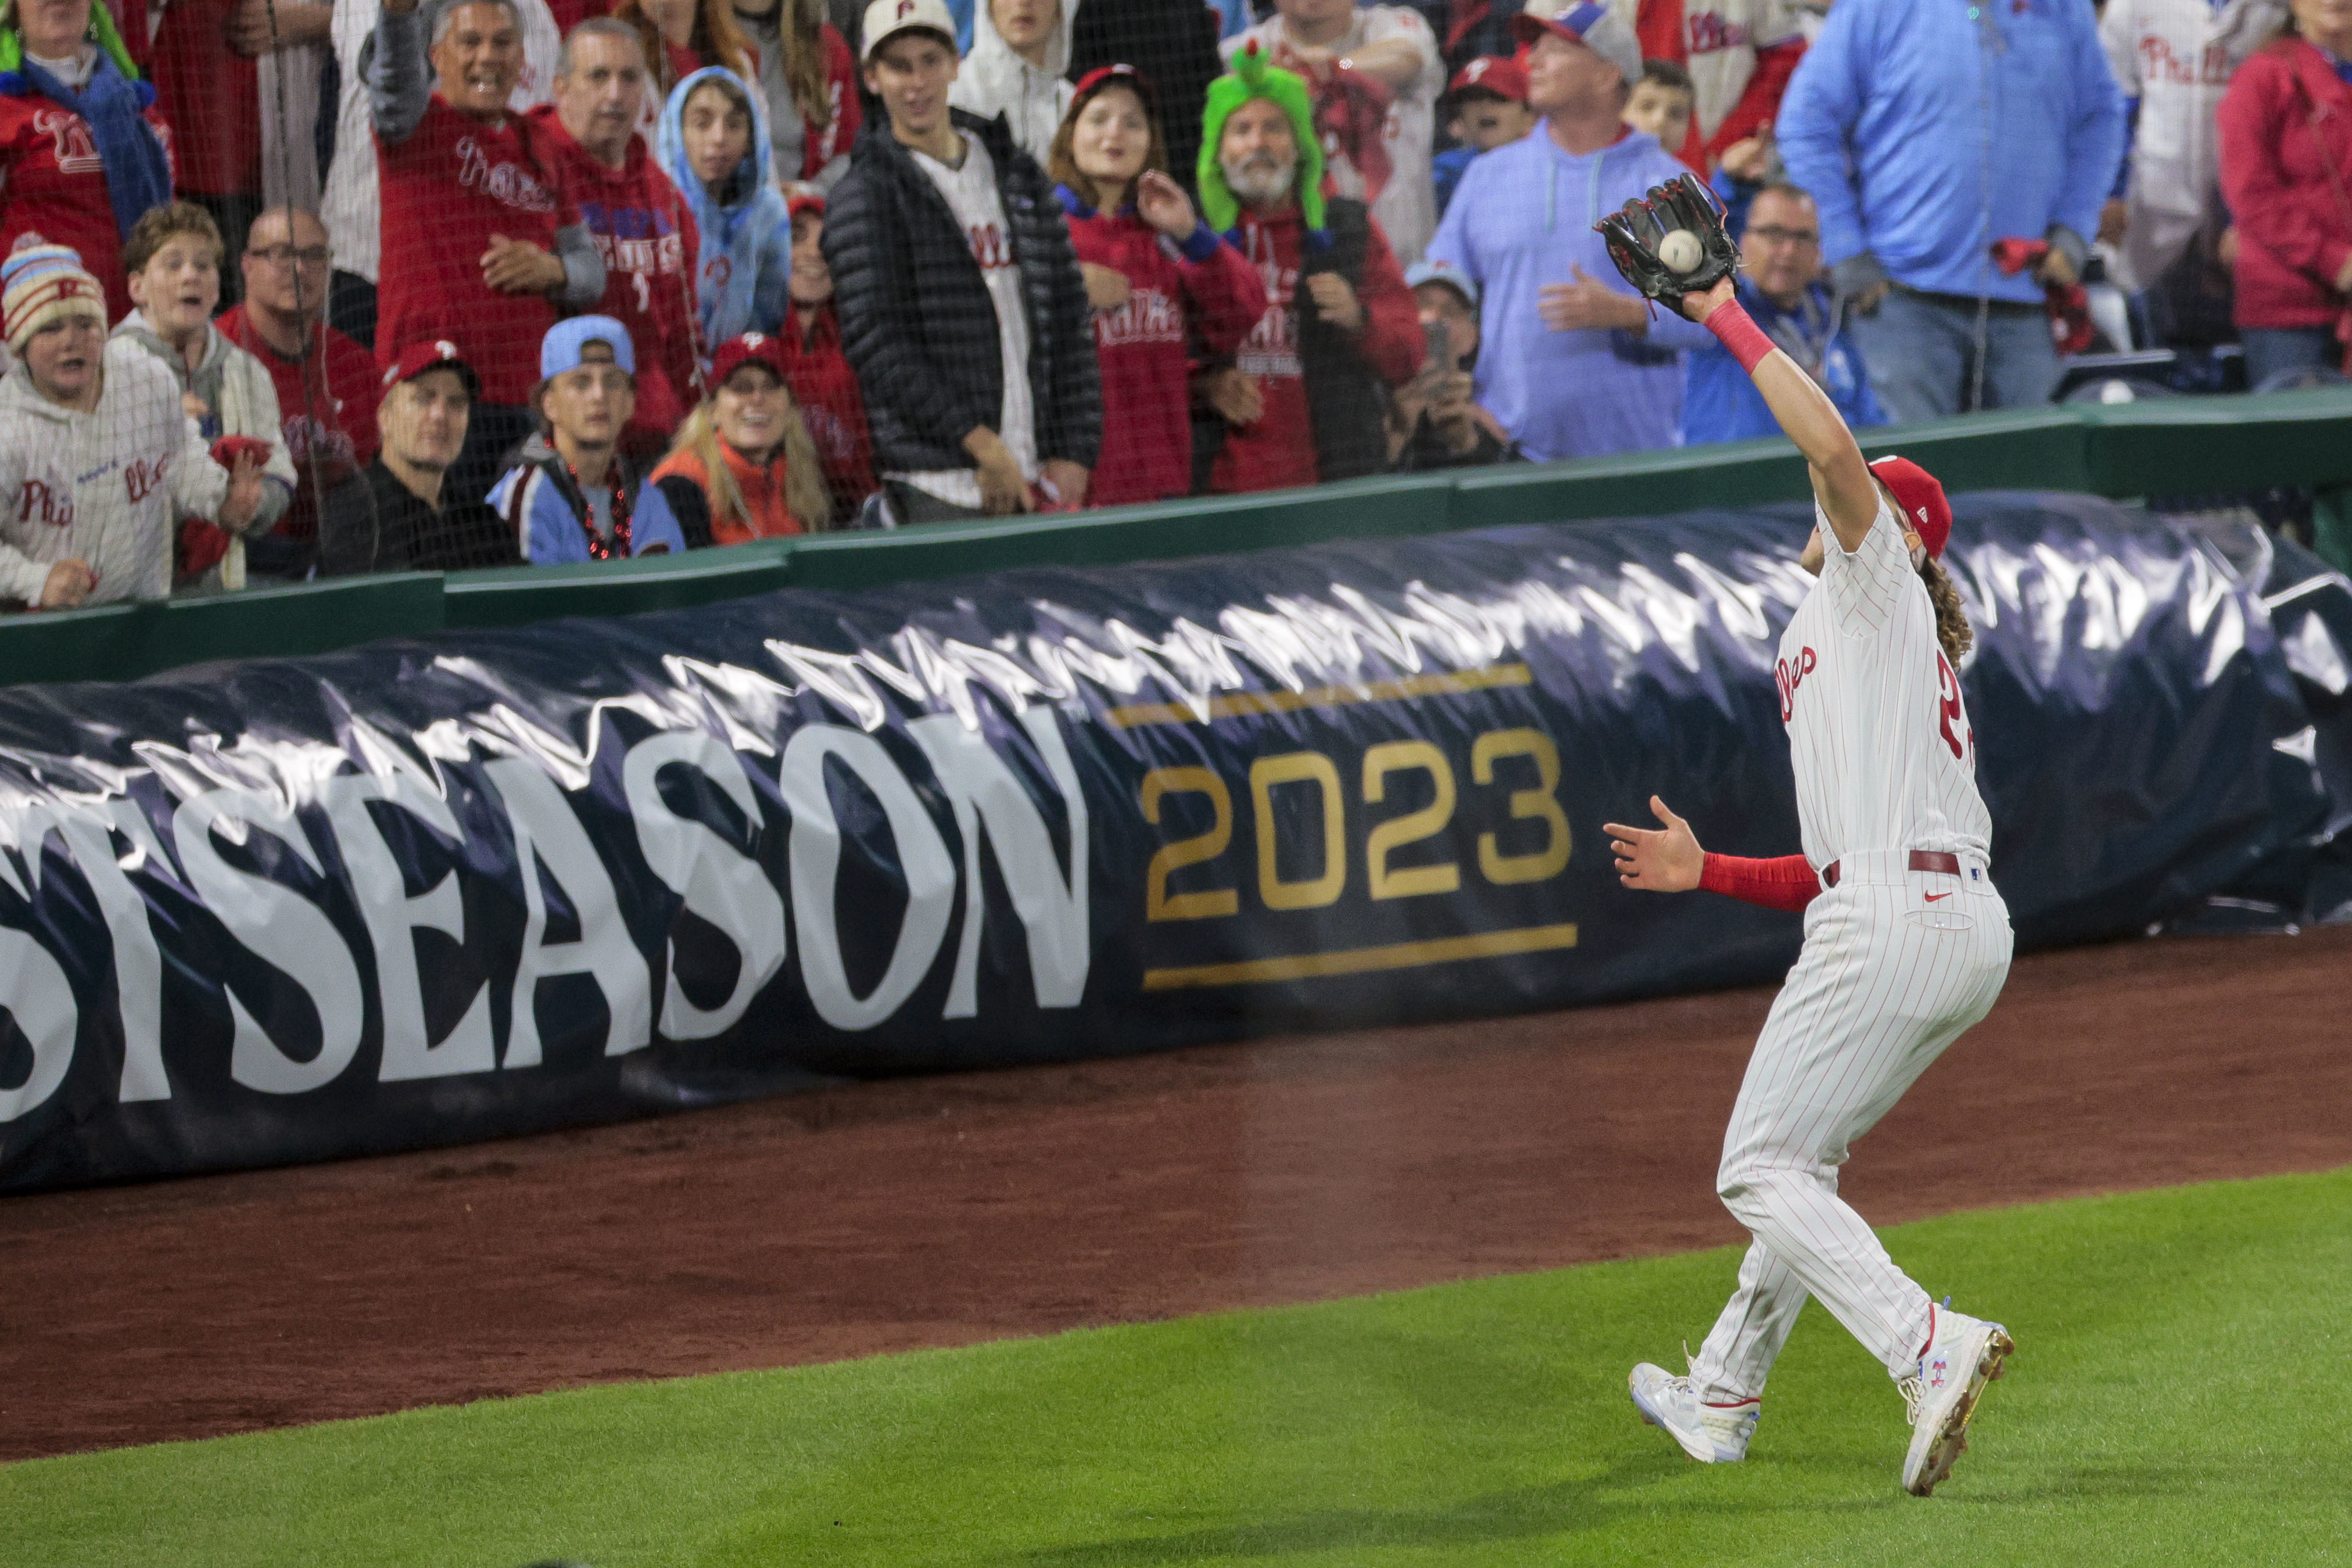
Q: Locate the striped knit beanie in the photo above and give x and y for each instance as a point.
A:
(40, 282)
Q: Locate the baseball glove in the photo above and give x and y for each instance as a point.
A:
(1632, 236)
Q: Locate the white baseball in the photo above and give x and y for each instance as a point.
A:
(1680, 250)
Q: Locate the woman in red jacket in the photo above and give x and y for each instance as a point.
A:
(2287, 173)
(1155, 273)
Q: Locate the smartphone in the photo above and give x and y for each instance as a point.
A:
(1436, 346)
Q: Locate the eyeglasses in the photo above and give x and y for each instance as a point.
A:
(1773, 234)
(286, 255)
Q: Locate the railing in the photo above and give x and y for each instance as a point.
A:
(2170, 448)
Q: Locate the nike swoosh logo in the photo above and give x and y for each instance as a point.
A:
(1931, 897)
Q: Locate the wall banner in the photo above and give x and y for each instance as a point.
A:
(486, 882)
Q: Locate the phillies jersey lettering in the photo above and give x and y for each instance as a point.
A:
(506, 183)
(989, 247)
(1149, 316)
(39, 503)
(142, 477)
(1878, 730)
(1272, 347)
(75, 148)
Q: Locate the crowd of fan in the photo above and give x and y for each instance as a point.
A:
(547, 281)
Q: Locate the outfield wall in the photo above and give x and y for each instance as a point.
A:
(2160, 447)
(441, 889)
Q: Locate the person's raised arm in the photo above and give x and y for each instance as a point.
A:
(1704, 289)
(399, 83)
(1833, 460)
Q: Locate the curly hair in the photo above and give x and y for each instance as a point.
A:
(1952, 628)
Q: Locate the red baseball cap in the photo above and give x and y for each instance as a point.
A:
(751, 349)
(432, 354)
(803, 202)
(1101, 77)
(1921, 495)
(1501, 75)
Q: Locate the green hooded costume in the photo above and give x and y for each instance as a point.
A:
(1254, 76)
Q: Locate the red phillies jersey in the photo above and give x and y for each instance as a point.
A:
(1209, 287)
(212, 97)
(832, 407)
(326, 405)
(447, 190)
(53, 184)
(647, 238)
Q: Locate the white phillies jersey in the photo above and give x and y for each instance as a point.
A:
(1877, 732)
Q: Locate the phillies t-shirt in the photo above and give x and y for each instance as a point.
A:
(1878, 736)
(453, 185)
(972, 196)
(1278, 448)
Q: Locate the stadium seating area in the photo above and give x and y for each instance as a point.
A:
(297, 290)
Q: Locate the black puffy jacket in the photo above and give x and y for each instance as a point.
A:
(917, 321)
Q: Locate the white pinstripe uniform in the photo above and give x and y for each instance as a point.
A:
(1896, 963)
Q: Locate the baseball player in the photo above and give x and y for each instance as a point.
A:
(1906, 941)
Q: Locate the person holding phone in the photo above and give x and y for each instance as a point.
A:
(1437, 422)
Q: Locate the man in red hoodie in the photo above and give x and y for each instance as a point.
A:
(1300, 401)
(634, 215)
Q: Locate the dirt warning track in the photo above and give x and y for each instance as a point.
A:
(946, 1210)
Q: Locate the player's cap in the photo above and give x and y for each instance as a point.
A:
(751, 349)
(1590, 23)
(1444, 272)
(432, 354)
(1500, 75)
(886, 19)
(1101, 77)
(1921, 495)
(566, 344)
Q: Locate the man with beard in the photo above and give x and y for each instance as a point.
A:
(1301, 400)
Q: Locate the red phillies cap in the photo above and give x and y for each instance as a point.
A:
(1501, 75)
(803, 202)
(418, 358)
(1101, 77)
(751, 349)
(1921, 497)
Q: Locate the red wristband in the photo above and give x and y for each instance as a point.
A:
(1785, 882)
(1739, 333)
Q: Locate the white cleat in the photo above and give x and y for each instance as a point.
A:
(1711, 1434)
(1963, 1354)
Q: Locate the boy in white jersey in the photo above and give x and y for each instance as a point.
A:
(1906, 941)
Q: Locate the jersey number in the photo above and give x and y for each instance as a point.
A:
(1947, 692)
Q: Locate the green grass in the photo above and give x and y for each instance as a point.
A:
(2184, 1364)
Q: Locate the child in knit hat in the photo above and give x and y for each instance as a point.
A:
(95, 450)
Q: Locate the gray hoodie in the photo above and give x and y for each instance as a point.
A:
(994, 80)
(236, 388)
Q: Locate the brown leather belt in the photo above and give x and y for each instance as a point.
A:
(1921, 860)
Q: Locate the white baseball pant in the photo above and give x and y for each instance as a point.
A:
(1896, 965)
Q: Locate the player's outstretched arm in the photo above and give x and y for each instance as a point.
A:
(1657, 859)
(1681, 220)
(1841, 481)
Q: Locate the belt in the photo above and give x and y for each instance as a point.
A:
(1921, 860)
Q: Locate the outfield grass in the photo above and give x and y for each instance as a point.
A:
(2178, 1396)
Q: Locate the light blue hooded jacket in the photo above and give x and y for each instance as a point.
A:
(743, 276)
